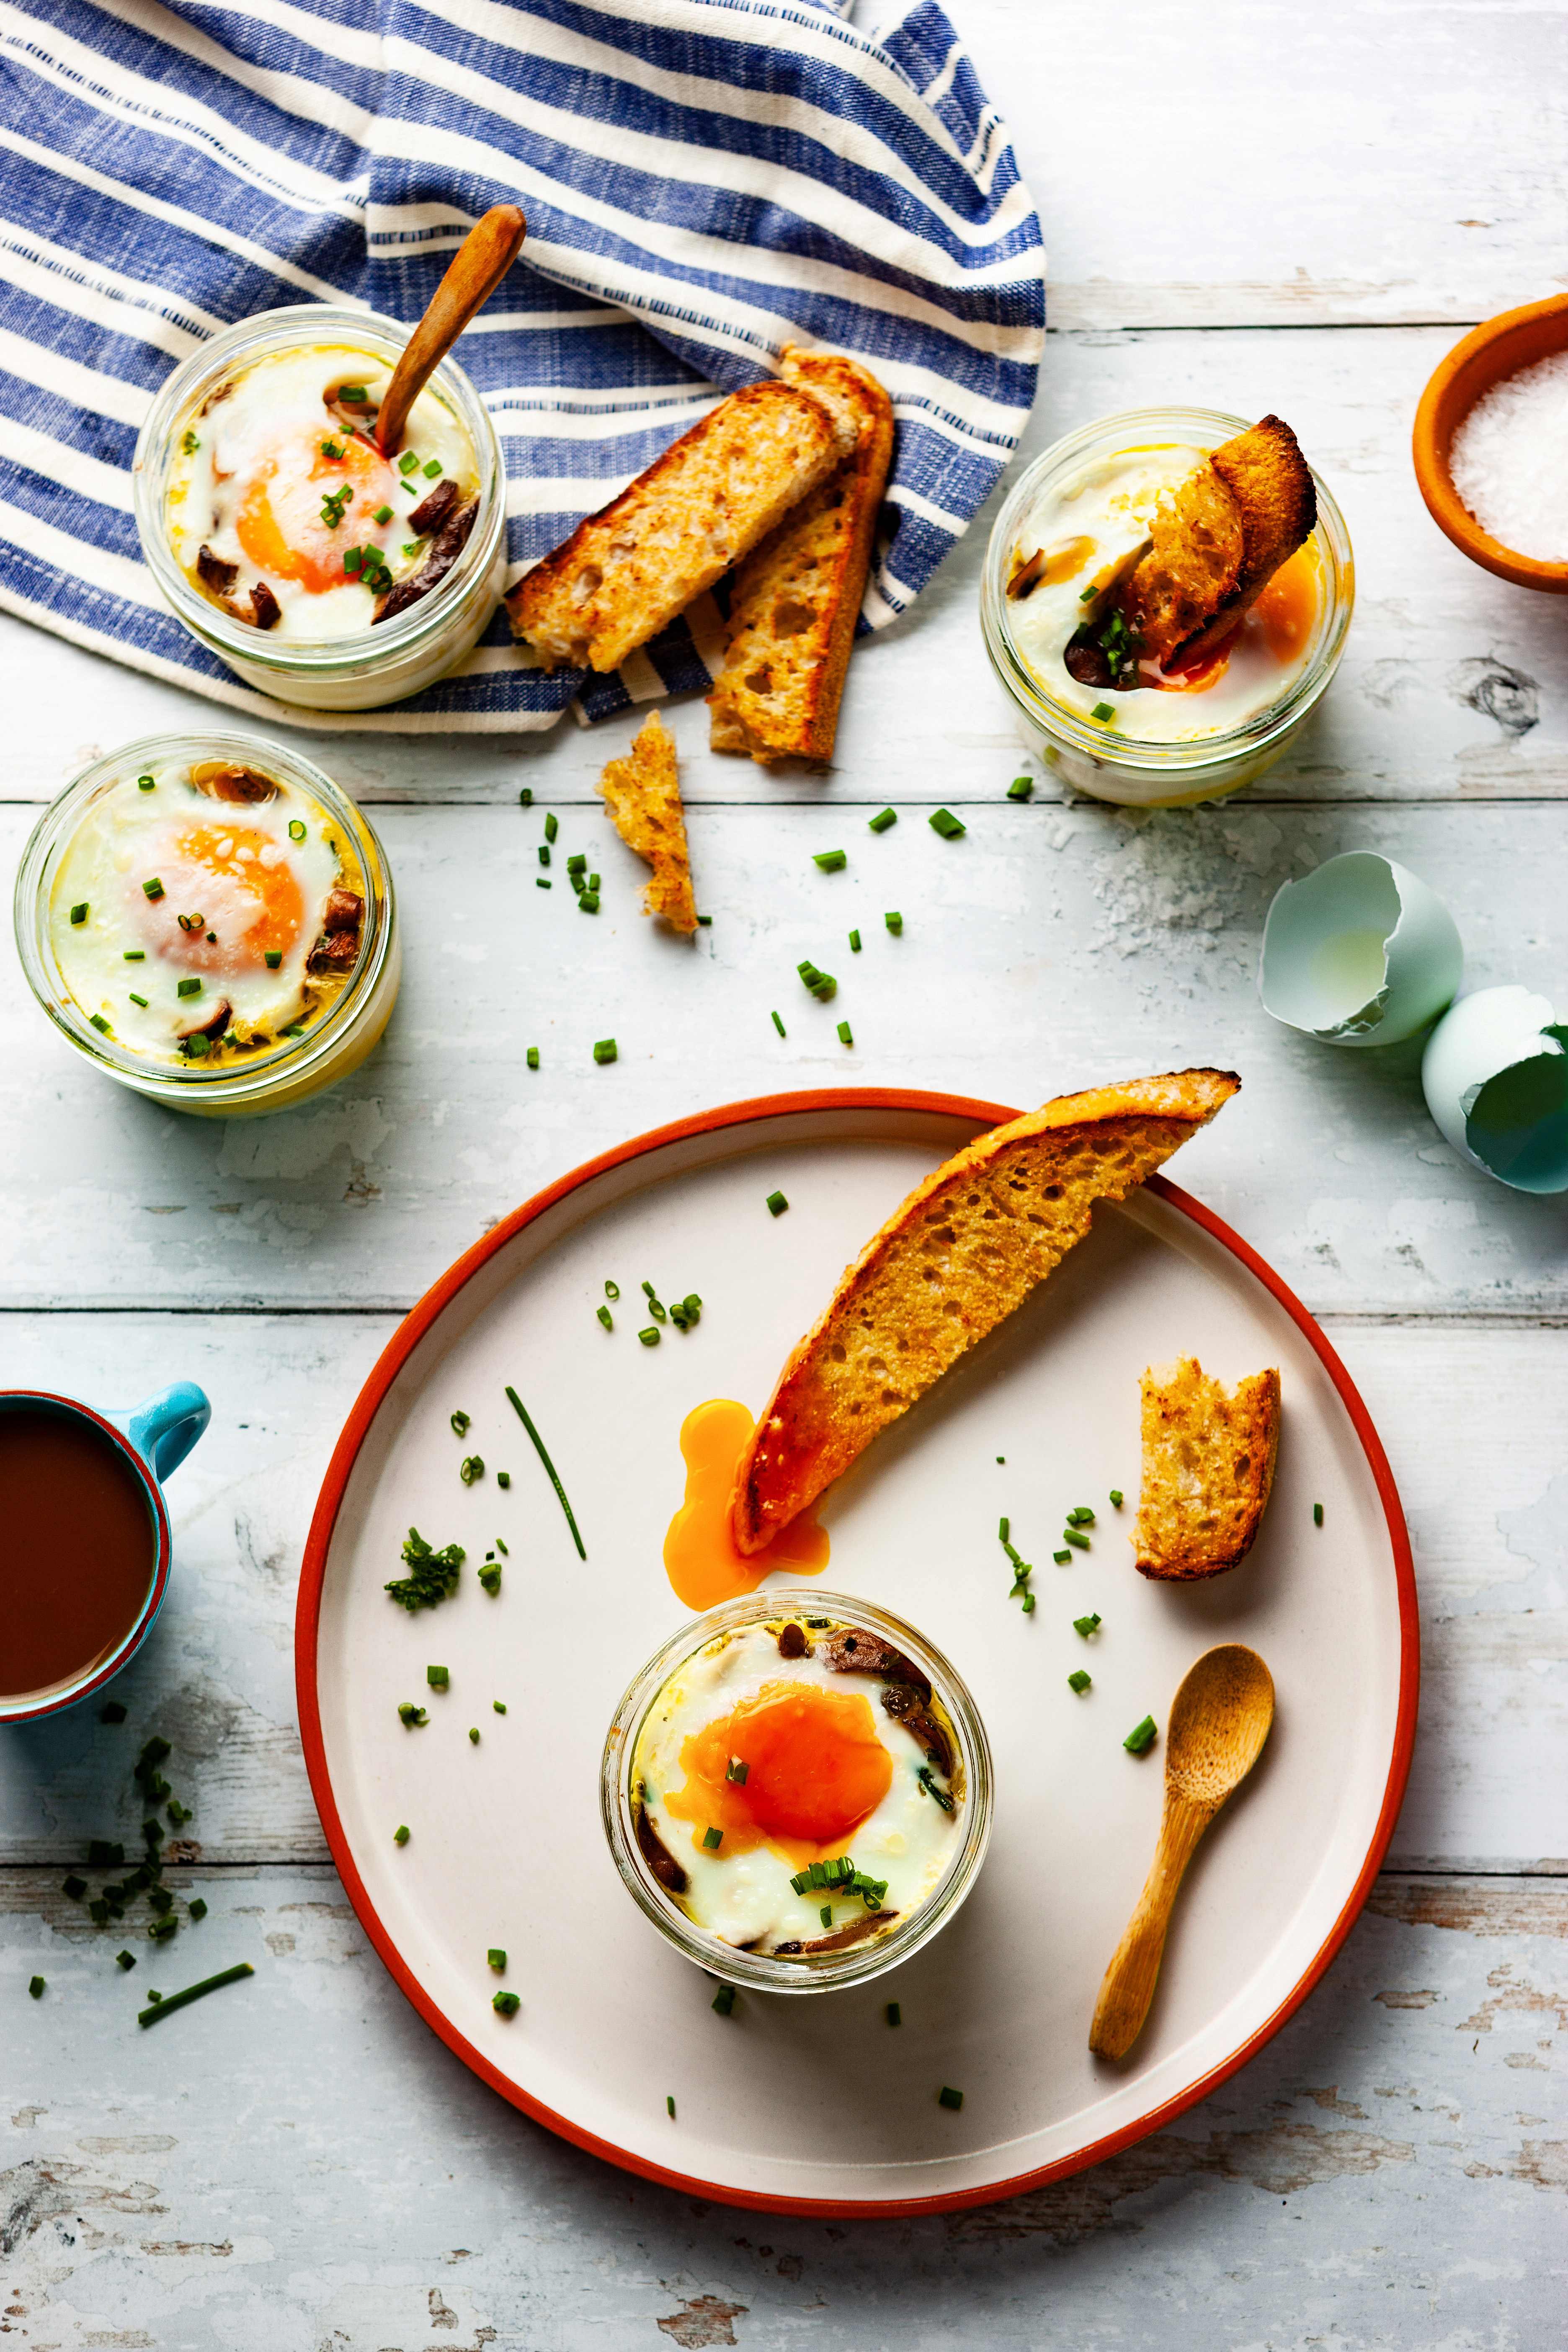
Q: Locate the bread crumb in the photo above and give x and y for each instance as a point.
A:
(642, 793)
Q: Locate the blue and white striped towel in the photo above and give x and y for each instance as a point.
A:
(704, 180)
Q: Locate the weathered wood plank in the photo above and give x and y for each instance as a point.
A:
(298, 2161)
(1049, 949)
(1486, 1509)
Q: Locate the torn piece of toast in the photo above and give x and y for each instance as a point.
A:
(796, 598)
(642, 793)
(1218, 542)
(627, 571)
(1208, 1464)
(967, 1247)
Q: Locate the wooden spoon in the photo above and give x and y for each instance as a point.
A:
(477, 269)
(1220, 1721)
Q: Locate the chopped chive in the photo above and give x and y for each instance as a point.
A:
(74, 1886)
(542, 882)
(78, 912)
(353, 559)
(1103, 710)
(777, 1204)
(712, 1839)
(1141, 1736)
(1076, 1537)
(411, 1717)
(895, 922)
(295, 829)
(471, 1467)
(1087, 595)
(854, 943)
(142, 1001)
(153, 889)
(605, 1051)
(507, 2004)
(189, 442)
(737, 1769)
(706, 922)
(382, 514)
(831, 861)
(146, 783)
(1317, 1515)
(845, 1035)
(606, 1317)
(927, 1782)
(826, 1914)
(942, 821)
(948, 2097)
(407, 462)
(1117, 1497)
(588, 903)
(438, 1678)
(497, 1705)
(125, 1959)
(533, 1057)
(1080, 1515)
(489, 1579)
(724, 2000)
(461, 1422)
(552, 824)
(400, 1835)
(1028, 1603)
(412, 547)
(1078, 1680)
(1020, 788)
(164, 2005)
(187, 987)
(197, 1909)
(650, 1337)
(669, 2102)
(882, 820)
(522, 1412)
(1087, 1625)
(134, 955)
(503, 1478)
(272, 957)
(432, 469)
(525, 797)
(35, 1986)
(778, 1024)
(1003, 1529)
(474, 1734)
(1061, 1557)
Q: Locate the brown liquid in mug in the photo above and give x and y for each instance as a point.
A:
(78, 1549)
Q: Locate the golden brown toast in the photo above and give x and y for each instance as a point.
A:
(796, 598)
(967, 1247)
(627, 571)
(1208, 1464)
(642, 793)
(1191, 589)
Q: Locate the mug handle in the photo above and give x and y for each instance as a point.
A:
(164, 1427)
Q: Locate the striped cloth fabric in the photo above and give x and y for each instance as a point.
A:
(704, 180)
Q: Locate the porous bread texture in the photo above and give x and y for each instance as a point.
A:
(1208, 1464)
(796, 598)
(1197, 580)
(967, 1247)
(627, 571)
(642, 793)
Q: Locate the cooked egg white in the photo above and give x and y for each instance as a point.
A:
(257, 891)
(1092, 527)
(745, 1898)
(256, 481)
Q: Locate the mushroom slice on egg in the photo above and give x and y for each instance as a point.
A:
(222, 780)
(212, 1025)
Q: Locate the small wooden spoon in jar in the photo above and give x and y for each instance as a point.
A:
(477, 269)
(1219, 1720)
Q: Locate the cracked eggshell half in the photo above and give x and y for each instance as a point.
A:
(1495, 1075)
(1360, 952)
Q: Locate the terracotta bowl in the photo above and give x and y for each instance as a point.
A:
(1497, 348)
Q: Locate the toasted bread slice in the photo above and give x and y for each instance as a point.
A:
(968, 1246)
(796, 598)
(1208, 1464)
(642, 793)
(628, 570)
(1184, 597)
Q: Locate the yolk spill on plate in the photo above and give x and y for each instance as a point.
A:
(701, 1557)
(814, 1770)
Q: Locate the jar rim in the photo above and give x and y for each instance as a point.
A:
(856, 1963)
(264, 1073)
(377, 645)
(1186, 759)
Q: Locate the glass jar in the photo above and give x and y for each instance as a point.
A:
(1091, 757)
(378, 665)
(811, 1971)
(295, 1068)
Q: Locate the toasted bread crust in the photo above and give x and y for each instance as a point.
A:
(627, 571)
(1184, 599)
(1209, 1454)
(642, 793)
(967, 1247)
(796, 598)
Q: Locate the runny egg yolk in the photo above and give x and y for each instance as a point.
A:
(281, 522)
(814, 1770)
(1288, 605)
(240, 882)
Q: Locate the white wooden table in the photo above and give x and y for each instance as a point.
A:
(1256, 207)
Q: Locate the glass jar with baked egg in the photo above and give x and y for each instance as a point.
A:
(320, 570)
(212, 922)
(1104, 717)
(797, 1790)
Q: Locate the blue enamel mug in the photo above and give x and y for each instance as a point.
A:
(150, 1440)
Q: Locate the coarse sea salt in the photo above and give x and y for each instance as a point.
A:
(1509, 460)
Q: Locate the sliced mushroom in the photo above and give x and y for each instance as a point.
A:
(222, 780)
(266, 611)
(333, 951)
(657, 1854)
(214, 573)
(903, 1703)
(212, 1025)
(344, 910)
(218, 576)
(793, 1643)
(853, 1651)
(441, 555)
(1026, 576)
(855, 1931)
(431, 513)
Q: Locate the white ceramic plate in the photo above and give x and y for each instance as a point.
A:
(817, 2104)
